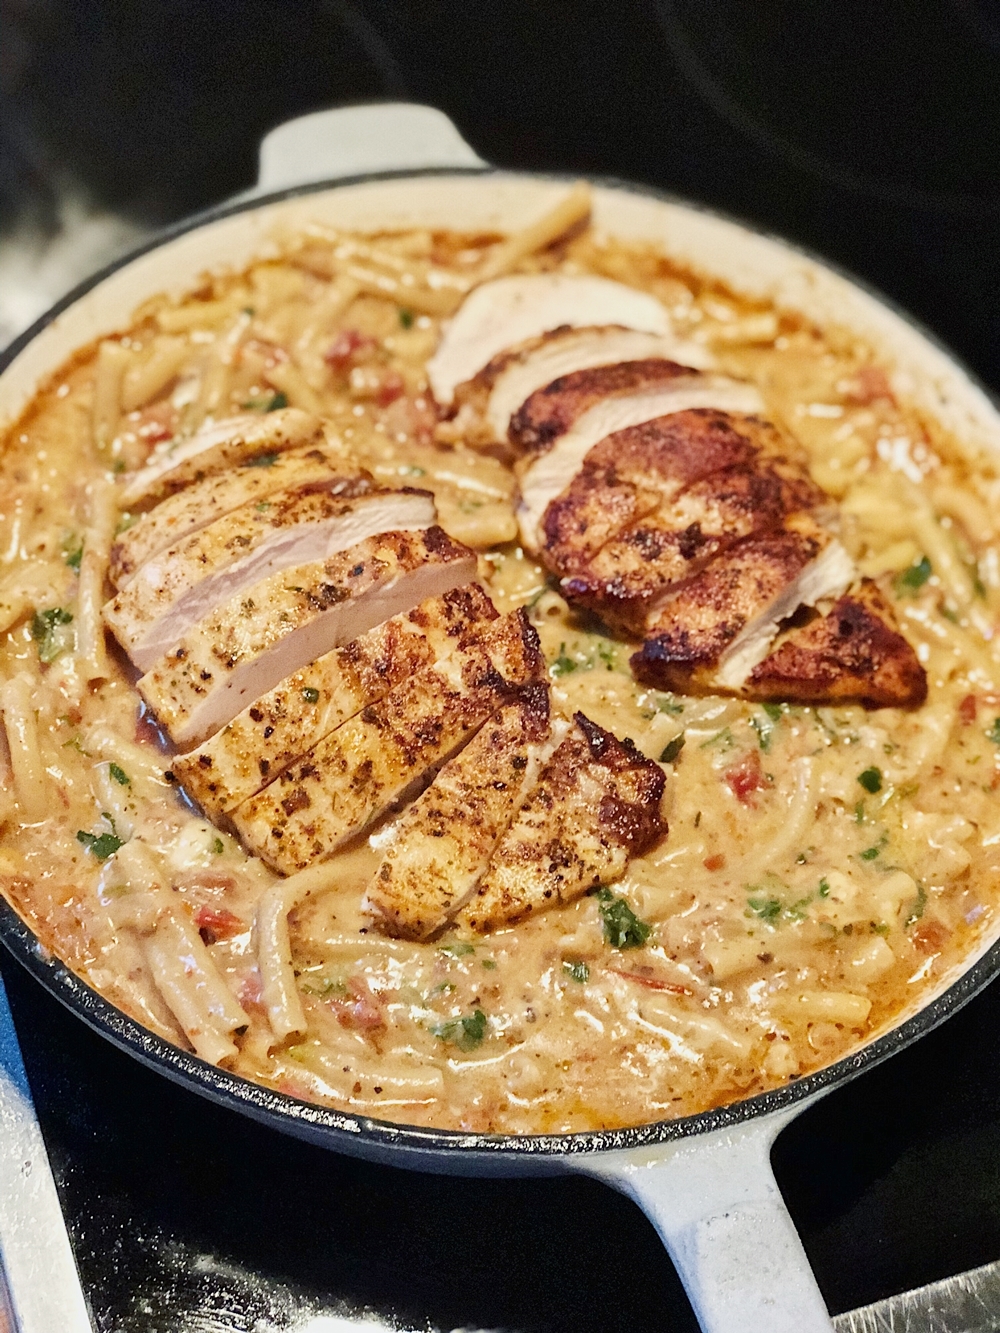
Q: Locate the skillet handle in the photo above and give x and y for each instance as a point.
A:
(356, 140)
(716, 1205)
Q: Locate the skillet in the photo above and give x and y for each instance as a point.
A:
(704, 1181)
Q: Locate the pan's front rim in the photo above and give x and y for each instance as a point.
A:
(414, 1145)
(363, 1136)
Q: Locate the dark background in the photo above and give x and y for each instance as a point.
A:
(869, 132)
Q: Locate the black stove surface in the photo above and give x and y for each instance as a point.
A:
(869, 132)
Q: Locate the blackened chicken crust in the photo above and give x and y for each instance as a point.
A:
(854, 654)
(550, 412)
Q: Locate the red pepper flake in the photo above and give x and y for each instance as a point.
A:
(651, 983)
(715, 862)
(967, 709)
(745, 778)
(346, 347)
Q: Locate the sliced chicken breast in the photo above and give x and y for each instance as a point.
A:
(176, 589)
(444, 840)
(714, 630)
(389, 751)
(633, 473)
(253, 641)
(854, 654)
(509, 310)
(279, 727)
(548, 476)
(515, 374)
(597, 804)
(205, 501)
(217, 446)
(632, 573)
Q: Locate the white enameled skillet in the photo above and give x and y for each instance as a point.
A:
(705, 1182)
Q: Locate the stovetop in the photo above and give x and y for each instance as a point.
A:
(867, 132)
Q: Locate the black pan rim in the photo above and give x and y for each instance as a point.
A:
(363, 1135)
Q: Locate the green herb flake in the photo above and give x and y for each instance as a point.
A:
(457, 949)
(622, 928)
(406, 318)
(465, 1033)
(310, 694)
(262, 506)
(490, 964)
(768, 909)
(101, 845)
(871, 780)
(765, 732)
(665, 704)
(270, 403)
(724, 739)
(994, 732)
(774, 711)
(50, 632)
(879, 927)
(672, 750)
(915, 577)
(563, 665)
(218, 846)
(119, 775)
(73, 552)
(872, 853)
(859, 813)
(577, 970)
(824, 888)
(261, 460)
(917, 909)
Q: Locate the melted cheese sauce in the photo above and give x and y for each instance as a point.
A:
(824, 867)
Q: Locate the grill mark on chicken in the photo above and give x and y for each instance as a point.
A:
(444, 840)
(854, 654)
(253, 641)
(309, 522)
(280, 726)
(553, 409)
(389, 750)
(231, 442)
(203, 502)
(597, 803)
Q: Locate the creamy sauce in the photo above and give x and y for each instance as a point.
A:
(824, 867)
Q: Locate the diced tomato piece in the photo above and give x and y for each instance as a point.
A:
(390, 389)
(360, 1010)
(746, 777)
(217, 923)
(967, 709)
(930, 936)
(346, 347)
(251, 995)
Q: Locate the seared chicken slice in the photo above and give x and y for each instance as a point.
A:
(550, 474)
(631, 574)
(509, 310)
(500, 388)
(632, 474)
(218, 446)
(714, 630)
(855, 654)
(256, 639)
(443, 841)
(280, 726)
(179, 587)
(596, 805)
(205, 501)
(389, 750)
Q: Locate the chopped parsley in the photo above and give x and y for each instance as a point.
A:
(311, 695)
(218, 846)
(50, 630)
(768, 909)
(824, 888)
(270, 403)
(119, 775)
(871, 780)
(915, 577)
(764, 727)
(917, 910)
(577, 970)
(724, 739)
(563, 665)
(622, 928)
(672, 750)
(665, 704)
(101, 845)
(406, 318)
(73, 552)
(457, 949)
(261, 460)
(872, 853)
(773, 711)
(994, 732)
(465, 1033)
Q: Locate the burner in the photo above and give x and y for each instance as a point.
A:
(896, 101)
